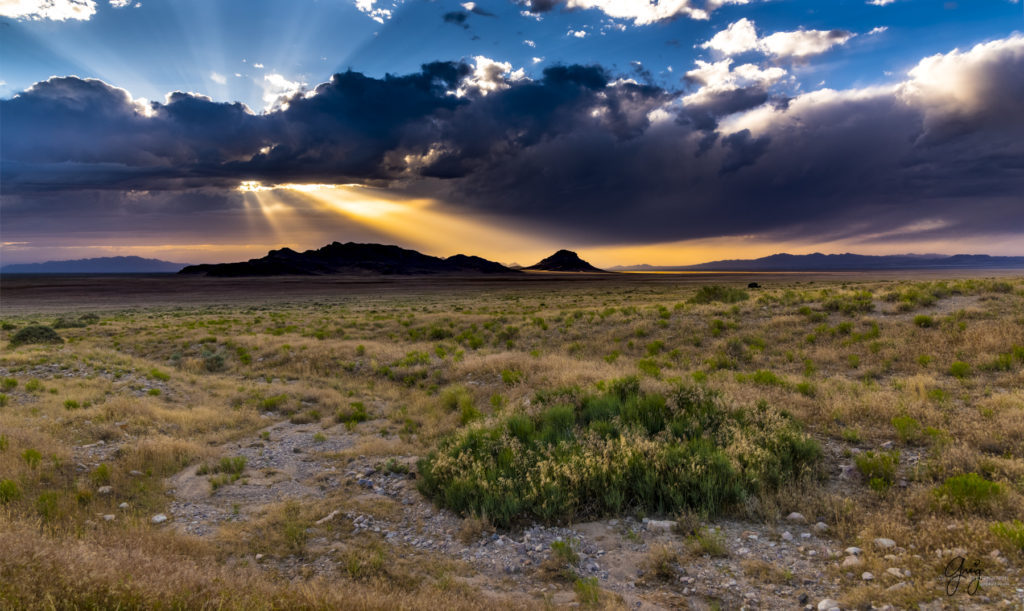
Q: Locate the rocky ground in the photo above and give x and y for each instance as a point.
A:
(794, 563)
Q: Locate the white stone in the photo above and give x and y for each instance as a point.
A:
(158, 519)
(884, 543)
(108, 517)
(895, 572)
(328, 517)
(661, 524)
(853, 551)
(828, 604)
(786, 536)
(851, 562)
(866, 576)
(820, 527)
(123, 506)
(104, 490)
(797, 517)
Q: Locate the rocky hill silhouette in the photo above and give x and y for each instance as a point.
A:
(564, 261)
(350, 258)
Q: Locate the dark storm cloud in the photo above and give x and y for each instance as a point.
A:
(578, 149)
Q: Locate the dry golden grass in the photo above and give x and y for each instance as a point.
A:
(164, 389)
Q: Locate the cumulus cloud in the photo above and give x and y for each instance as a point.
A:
(120, 3)
(489, 76)
(640, 12)
(218, 78)
(277, 90)
(741, 36)
(379, 14)
(577, 149)
(878, 30)
(54, 10)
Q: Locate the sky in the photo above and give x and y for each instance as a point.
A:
(632, 131)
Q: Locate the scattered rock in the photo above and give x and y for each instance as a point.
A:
(895, 572)
(883, 543)
(109, 517)
(787, 536)
(327, 518)
(123, 506)
(853, 551)
(828, 604)
(851, 562)
(820, 527)
(796, 517)
(158, 519)
(105, 490)
(660, 524)
(867, 576)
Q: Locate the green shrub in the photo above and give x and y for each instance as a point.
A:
(724, 294)
(356, 412)
(4, 399)
(1011, 532)
(806, 389)
(35, 334)
(924, 321)
(9, 491)
(908, 429)
(156, 374)
(47, 506)
(879, 468)
(511, 377)
(588, 592)
(649, 367)
(100, 476)
(968, 491)
(618, 450)
(233, 465)
(272, 404)
(31, 457)
(8, 384)
(213, 361)
(456, 398)
(960, 369)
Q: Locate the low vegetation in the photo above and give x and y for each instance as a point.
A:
(882, 408)
(621, 450)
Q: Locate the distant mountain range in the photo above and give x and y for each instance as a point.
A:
(851, 262)
(100, 265)
(350, 258)
(379, 259)
(564, 261)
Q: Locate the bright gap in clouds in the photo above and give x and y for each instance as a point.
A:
(417, 223)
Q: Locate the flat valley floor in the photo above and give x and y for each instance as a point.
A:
(654, 441)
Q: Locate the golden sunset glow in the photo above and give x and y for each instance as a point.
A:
(423, 224)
